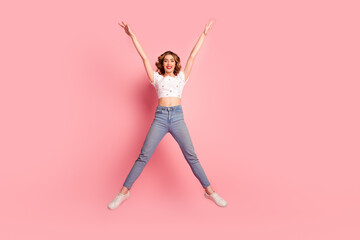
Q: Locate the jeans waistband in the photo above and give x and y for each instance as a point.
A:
(173, 108)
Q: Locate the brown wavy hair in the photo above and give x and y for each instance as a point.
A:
(160, 62)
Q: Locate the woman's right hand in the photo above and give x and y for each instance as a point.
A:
(127, 29)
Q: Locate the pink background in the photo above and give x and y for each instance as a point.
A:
(272, 106)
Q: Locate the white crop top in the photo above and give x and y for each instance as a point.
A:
(169, 86)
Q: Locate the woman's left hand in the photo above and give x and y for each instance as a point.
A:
(208, 26)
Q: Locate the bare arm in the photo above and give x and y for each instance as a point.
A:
(196, 49)
(140, 50)
(146, 61)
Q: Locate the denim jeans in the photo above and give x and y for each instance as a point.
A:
(167, 119)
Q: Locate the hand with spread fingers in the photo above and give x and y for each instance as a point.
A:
(127, 28)
(208, 26)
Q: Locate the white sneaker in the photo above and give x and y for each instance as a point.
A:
(118, 200)
(216, 198)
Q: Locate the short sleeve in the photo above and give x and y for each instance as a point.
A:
(182, 76)
(156, 77)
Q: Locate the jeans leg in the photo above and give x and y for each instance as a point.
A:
(181, 134)
(156, 132)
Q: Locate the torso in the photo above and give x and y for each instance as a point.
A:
(169, 101)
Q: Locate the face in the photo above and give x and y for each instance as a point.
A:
(169, 63)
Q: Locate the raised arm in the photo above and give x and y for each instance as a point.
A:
(146, 61)
(196, 49)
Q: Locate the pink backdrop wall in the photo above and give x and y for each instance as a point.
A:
(272, 106)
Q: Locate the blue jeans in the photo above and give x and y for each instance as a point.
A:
(167, 119)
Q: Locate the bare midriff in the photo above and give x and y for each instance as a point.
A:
(169, 101)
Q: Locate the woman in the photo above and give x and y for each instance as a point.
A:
(168, 81)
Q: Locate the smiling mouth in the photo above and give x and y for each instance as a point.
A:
(168, 67)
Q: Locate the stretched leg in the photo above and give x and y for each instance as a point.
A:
(181, 134)
(156, 132)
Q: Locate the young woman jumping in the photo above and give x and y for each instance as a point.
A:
(169, 81)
